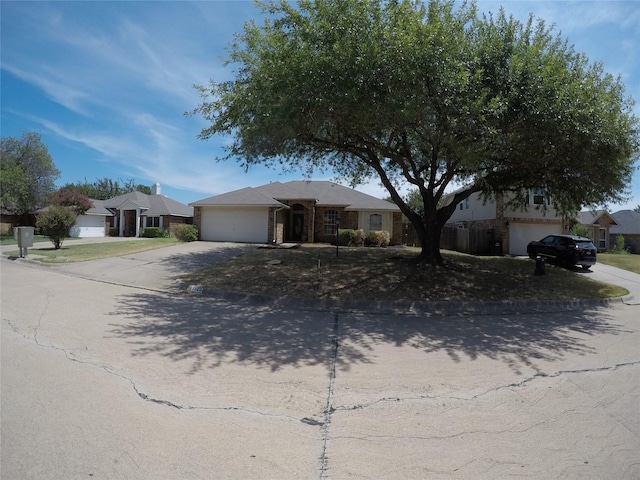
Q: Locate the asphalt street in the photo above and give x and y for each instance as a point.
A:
(110, 370)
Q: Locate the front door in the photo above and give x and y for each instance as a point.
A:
(129, 223)
(297, 228)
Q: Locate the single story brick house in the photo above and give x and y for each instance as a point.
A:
(511, 228)
(296, 211)
(134, 211)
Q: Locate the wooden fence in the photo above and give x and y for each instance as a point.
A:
(476, 241)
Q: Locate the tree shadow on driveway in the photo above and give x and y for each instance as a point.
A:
(212, 332)
(186, 262)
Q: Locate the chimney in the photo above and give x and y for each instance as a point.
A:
(155, 189)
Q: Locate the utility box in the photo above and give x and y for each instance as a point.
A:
(24, 236)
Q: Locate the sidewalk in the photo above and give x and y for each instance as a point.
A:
(69, 241)
(617, 276)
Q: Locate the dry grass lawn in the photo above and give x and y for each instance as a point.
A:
(314, 271)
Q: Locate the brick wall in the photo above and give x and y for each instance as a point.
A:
(197, 220)
(346, 219)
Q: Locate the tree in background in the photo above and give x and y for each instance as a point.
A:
(105, 188)
(426, 95)
(74, 200)
(27, 174)
(580, 229)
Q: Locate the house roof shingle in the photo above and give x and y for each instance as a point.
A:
(324, 193)
(98, 208)
(154, 205)
(245, 197)
(628, 223)
(592, 217)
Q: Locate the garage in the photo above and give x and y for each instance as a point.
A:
(87, 226)
(235, 224)
(520, 234)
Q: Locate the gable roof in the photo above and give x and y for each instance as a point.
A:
(98, 208)
(153, 205)
(593, 217)
(323, 193)
(628, 222)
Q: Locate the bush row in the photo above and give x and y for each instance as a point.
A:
(356, 238)
(155, 232)
(183, 232)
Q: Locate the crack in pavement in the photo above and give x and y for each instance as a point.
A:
(521, 384)
(328, 411)
(70, 356)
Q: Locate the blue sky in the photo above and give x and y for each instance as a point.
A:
(106, 83)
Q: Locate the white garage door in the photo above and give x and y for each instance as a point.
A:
(88, 226)
(232, 224)
(520, 234)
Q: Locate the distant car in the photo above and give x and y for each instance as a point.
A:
(568, 250)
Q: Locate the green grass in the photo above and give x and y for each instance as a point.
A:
(369, 274)
(621, 260)
(9, 240)
(93, 251)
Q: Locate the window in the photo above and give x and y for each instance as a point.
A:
(330, 222)
(375, 222)
(602, 239)
(153, 222)
(537, 197)
(461, 206)
(466, 203)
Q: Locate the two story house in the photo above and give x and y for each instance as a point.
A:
(494, 224)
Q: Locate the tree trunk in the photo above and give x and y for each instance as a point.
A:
(429, 235)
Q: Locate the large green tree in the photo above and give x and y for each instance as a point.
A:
(105, 188)
(27, 174)
(425, 94)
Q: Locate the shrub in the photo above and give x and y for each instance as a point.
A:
(378, 238)
(619, 248)
(114, 231)
(55, 224)
(185, 232)
(351, 238)
(150, 232)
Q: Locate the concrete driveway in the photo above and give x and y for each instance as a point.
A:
(125, 379)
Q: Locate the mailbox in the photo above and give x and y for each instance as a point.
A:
(24, 236)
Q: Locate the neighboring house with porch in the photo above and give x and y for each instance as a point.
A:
(297, 211)
(134, 211)
(628, 226)
(479, 226)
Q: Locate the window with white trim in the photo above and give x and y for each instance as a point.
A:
(330, 222)
(538, 196)
(153, 222)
